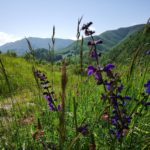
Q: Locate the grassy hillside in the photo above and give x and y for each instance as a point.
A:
(15, 76)
(136, 44)
(86, 114)
(113, 37)
(20, 75)
(25, 114)
(109, 38)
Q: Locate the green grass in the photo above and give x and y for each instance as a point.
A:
(18, 120)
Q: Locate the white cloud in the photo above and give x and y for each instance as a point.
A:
(5, 38)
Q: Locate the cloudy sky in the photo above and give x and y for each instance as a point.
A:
(24, 18)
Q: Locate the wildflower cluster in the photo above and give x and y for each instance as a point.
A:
(116, 114)
(49, 95)
(118, 117)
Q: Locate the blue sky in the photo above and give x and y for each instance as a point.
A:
(24, 18)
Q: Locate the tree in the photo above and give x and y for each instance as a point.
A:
(11, 53)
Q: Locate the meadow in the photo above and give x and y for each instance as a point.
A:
(74, 106)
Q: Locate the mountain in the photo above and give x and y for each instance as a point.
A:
(68, 47)
(21, 46)
(113, 37)
(110, 39)
(135, 45)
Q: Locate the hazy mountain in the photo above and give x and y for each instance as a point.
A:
(21, 46)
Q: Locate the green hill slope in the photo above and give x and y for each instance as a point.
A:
(136, 44)
(19, 74)
(113, 37)
(110, 39)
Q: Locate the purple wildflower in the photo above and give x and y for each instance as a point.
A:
(120, 119)
(89, 32)
(148, 90)
(98, 77)
(120, 88)
(147, 86)
(127, 98)
(93, 53)
(114, 120)
(49, 96)
(126, 119)
(109, 67)
(118, 134)
(91, 70)
(108, 85)
(86, 26)
(148, 52)
(145, 103)
(108, 71)
(83, 129)
(51, 106)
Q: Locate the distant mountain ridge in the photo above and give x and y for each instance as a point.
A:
(110, 39)
(21, 46)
